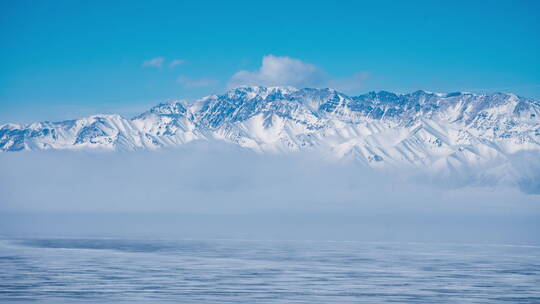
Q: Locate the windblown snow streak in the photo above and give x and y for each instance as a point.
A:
(438, 132)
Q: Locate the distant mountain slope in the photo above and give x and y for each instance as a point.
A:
(438, 131)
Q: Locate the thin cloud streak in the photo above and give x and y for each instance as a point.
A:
(154, 62)
(176, 62)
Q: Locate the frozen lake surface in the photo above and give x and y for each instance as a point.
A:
(236, 271)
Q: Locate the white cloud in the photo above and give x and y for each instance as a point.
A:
(176, 62)
(195, 83)
(279, 71)
(154, 62)
(287, 71)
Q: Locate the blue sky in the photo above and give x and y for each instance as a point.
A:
(63, 59)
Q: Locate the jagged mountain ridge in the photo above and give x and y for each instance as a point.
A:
(377, 128)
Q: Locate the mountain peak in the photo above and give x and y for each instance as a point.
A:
(377, 128)
(259, 91)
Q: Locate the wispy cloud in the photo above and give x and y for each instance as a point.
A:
(195, 83)
(176, 62)
(287, 71)
(154, 62)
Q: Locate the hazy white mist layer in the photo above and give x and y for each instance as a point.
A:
(221, 182)
(225, 179)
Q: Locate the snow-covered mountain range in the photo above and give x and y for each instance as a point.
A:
(425, 129)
